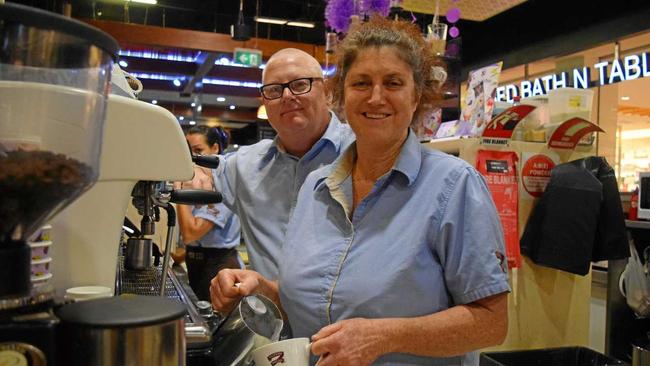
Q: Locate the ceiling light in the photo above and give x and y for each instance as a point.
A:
(261, 112)
(221, 99)
(150, 2)
(246, 84)
(232, 107)
(154, 55)
(176, 82)
(199, 108)
(270, 20)
(643, 133)
(154, 102)
(302, 24)
(625, 98)
(181, 118)
(123, 63)
(192, 123)
(192, 104)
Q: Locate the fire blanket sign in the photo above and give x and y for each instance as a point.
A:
(500, 171)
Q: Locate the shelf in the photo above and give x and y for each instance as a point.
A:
(637, 224)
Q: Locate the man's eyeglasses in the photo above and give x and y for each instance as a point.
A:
(296, 87)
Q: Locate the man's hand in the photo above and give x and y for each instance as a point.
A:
(230, 285)
(202, 179)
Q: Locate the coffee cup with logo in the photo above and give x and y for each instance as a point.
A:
(290, 352)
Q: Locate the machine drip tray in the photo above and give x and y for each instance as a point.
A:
(198, 331)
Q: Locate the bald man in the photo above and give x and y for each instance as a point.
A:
(260, 182)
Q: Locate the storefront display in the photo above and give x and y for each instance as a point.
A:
(611, 93)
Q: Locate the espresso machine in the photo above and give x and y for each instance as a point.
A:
(54, 78)
(54, 82)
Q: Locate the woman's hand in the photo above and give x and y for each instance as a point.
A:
(353, 342)
(230, 285)
(178, 255)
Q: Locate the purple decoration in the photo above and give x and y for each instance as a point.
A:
(338, 13)
(454, 32)
(452, 50)
(453, 15)
(381, 7)
(363, 6)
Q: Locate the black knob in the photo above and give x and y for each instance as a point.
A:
(195, 197)
(207, 161)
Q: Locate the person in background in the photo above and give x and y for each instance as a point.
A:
(394, 253)
(211, 232)
(260, 182)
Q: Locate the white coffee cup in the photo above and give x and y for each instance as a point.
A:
(290, 352)
(84, 293)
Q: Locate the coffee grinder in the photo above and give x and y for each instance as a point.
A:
(54, 78)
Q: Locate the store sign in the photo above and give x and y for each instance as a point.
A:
(248, 57)
(629, 68)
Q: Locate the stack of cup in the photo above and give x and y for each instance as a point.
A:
(40, 244)
(83, 293)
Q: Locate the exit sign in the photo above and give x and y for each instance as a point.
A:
(248, 57)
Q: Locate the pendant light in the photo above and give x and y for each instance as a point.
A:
(240, 31)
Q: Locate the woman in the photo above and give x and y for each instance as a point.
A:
(394, 253)
(211, 233)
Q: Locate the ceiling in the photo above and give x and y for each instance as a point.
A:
(487, 28)
(476, 10)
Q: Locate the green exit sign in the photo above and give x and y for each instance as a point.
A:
(248, 57)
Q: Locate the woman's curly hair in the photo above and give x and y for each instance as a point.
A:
(411, 47)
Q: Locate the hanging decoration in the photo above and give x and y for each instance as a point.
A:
(339, 12)
(452, 16)
(381, 7)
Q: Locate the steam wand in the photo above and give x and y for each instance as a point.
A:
(187, 197)
(171, 223)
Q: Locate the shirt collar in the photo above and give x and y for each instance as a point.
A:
(336, 174)
(410, 158)
(333, 135)
(342, 168)
(408, 164)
